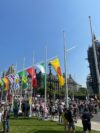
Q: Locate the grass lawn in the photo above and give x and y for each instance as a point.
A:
(37, 126)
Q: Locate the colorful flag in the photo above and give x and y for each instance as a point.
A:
(11, 79)
(16, 81)
(6, 83)
(32, 73)
(56, 65)
(23, 76)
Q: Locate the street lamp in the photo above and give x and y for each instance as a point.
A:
(65, 66)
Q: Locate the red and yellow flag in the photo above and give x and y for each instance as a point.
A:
(56, 65)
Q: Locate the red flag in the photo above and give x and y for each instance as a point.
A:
(32, 73)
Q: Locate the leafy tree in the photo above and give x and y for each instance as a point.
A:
(81, 92)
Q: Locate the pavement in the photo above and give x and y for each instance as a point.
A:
(95, 125)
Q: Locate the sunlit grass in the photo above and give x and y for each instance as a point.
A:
(37, 126)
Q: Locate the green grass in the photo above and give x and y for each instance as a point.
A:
(37, 126)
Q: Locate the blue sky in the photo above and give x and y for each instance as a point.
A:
(29, 25)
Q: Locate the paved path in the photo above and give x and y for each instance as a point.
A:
(95, 122)
(95, 125)
(96, 117)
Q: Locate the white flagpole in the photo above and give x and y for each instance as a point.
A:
(15, 73)
(1, 90)
(45, 99)
(7, 90)
(23, 70)
(21, 84)
(12, 89)
(65, 65)
(31, 88)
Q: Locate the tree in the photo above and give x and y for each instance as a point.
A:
(81, 92)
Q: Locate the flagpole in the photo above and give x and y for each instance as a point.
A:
(65, 66)
(15, 73)
(21, 79)
(13, 89)
(45, 99)
(1, 90)
(6, 90)
(21, 83)
(31, 87)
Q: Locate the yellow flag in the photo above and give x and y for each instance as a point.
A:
(56, 65)
(6, 82)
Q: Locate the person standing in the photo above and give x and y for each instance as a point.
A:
(86, 120)
(65, 121)
(71, 122)
(5, 119)
(60, 111)
(16, 109)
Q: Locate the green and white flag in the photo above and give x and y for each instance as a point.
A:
(41, 67)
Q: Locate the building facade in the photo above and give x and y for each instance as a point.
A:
(72, 84)
(89, 85)
(92, 81)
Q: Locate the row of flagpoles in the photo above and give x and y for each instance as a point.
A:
(12, 81)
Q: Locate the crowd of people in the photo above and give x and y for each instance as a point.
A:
(57, 110)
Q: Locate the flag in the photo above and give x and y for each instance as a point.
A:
(32, 73)
(16, 81)
(11, 79)
(6, 83)
(23, 76)
(1, 83)
(56, 65)
(41, 67)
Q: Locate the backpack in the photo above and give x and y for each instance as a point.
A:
(68, 116)
(86, 117)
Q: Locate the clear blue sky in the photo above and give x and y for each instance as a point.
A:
(28, 25)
